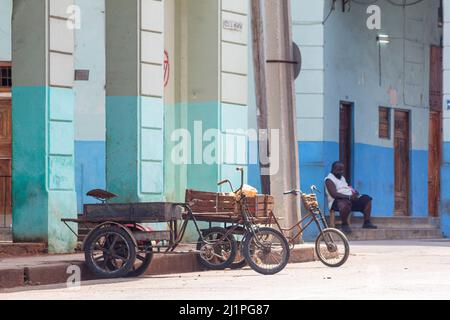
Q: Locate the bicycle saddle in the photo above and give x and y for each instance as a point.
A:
(101, 195)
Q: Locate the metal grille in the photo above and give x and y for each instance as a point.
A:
(5, 77)
(5, 202)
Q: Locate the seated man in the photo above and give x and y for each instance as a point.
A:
(343, 198)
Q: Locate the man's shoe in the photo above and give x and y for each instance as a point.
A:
(369, 225)
(346, 229)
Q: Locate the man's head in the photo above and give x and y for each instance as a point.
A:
(337, 169)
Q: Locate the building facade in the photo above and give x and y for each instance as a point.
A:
(163, 95)
(159, 91)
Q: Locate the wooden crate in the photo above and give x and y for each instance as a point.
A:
(217, 203)
(261, 206)
(210, 202)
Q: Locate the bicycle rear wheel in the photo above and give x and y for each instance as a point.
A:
(266, 251)
(332, 248)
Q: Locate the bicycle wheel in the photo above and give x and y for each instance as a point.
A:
(266, 251)
(332, 248)
(217, 249)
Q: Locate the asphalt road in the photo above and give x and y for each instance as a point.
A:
(375, 270)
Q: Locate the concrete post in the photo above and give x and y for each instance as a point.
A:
(281, 106)
(134, 99)
(43, 103)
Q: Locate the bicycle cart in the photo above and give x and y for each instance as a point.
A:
(331, 245)
(265, 249)
(118, 244)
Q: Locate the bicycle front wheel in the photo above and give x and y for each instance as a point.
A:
(332, 248)
(266, 251)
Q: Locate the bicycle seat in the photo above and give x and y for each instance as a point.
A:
(101, 195)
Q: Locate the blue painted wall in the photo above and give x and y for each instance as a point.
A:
(445, 186)
(90, 169)
(90, 123)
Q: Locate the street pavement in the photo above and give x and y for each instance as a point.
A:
(375, 270)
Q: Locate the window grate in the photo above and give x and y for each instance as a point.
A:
(5, 77)
(384, 123)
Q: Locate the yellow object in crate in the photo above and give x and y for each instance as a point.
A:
(310, 202)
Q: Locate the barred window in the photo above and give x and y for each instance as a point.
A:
(384, 123)
(5, 76)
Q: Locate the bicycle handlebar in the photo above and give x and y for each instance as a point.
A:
(222, 182)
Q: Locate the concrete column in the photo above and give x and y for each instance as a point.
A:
(134, 99)
(214, 93)
(281, 107)
(43, 102)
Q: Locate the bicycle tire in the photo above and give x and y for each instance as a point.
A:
(267, 237)
(332, 247)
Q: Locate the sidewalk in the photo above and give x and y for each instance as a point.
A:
(52, 269)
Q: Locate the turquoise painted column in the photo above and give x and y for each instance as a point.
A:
(43, 102)
(134, 99)
(216, 96)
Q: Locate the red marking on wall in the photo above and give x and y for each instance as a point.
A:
(166, 68)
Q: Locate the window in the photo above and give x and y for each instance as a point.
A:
(384, 123)
(5, 76)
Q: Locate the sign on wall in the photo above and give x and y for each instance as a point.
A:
(233, 25)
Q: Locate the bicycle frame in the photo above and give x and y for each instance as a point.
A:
(314, 217)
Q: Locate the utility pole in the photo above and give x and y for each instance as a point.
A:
(274, 75)
(259, 62)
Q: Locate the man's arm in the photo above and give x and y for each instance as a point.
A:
(333, 192)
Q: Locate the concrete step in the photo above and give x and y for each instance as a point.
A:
(396, 222)
(360, 234)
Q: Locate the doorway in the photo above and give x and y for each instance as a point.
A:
(435, 131)
(5, 162)
(346, 138)
(402, 163)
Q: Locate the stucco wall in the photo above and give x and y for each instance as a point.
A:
(352, 74)
(340, 63)
(5, 29)
(90, 127)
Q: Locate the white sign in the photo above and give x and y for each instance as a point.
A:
(233, 25)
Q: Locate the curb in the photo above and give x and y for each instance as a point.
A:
(57, 273)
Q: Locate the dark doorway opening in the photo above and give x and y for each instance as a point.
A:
(435, 131)
(402, 163)
(346, 138)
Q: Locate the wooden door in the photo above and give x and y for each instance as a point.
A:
(402, 150)
(435, 131)
(436, 76)
(434, 163)
(345, 139)
(5, 162)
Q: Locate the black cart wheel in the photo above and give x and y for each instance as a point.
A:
(332, 248)
(217, 250)
(110, 252)
(266, 251)
(143, 259)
